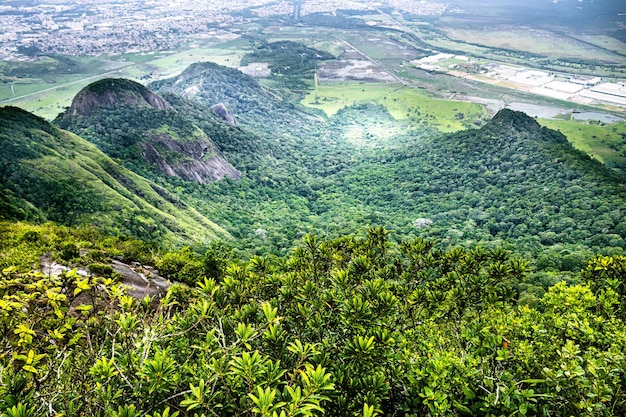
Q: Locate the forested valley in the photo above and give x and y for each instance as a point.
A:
(352, 265)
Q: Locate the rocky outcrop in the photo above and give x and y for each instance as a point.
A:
(223, 112)
(139, 280)
(193, 160)
(149, 129)
(111, 92)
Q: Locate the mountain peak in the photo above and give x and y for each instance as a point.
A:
(507, 121)
(111, 92)
(13, 115)
(519, 120)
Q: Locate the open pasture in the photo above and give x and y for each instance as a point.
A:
(603, 41)
(606, 143)
(536, 41)
(403, 103)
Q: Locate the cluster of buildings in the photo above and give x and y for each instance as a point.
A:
(579, 89)
(87, 27)
(575, 88)
(84, 27)
(419, 8)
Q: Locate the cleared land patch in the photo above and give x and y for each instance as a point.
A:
(533, 40)
(606, 143)
(403, 103)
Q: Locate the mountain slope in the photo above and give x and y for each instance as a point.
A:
(510, 181)
(128, 121)
(48, 173)
(253, 105)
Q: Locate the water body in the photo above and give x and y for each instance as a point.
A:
(593, 115)
(542, 112)
(535, 110)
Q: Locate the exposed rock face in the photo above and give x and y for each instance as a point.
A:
(191, 92)
(111, 92)
(166, 139)
(194, 160)
(139, 280)
(224, 113)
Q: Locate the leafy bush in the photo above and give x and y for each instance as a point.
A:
(183, 266)
(102, 270)
(344, 327)
(68, 252)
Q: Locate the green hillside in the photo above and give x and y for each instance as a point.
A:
(509, 183)
(255, 106)
(51, 174)
(136, 126)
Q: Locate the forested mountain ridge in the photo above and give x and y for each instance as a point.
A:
(509, 183)
(130, 122)
(258, 107)
(51, 174)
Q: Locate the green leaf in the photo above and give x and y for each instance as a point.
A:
(468, 392)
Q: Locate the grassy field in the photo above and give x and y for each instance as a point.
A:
(403, 103)
(48, 98)
(449, 44)
(49, 104)
(603, 41)
(606, 143)
(536, 41)
(47, 92)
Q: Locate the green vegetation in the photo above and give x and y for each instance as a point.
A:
(302, 173)
(403, 103)
(290, 62)
(52, 174)
(605, 143)
(500, 291)
(46, 87)
(23, 245)
(499, 184)
(345, 327)
(540, 42)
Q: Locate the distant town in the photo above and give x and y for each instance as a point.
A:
(109, 27)
(81, 28)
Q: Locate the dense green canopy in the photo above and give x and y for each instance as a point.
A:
(351, 326)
